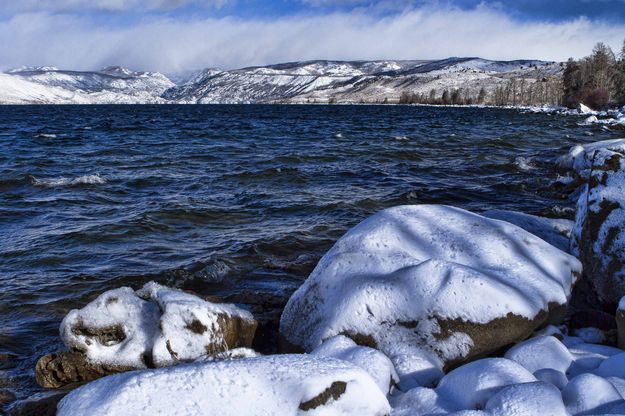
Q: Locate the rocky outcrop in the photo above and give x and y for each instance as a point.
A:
(599, 232)
(156, 326)
(440, 291)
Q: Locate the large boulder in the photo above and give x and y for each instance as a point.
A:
(599, 232)
(431, 279)
(156, 326)
(269, 385)
(577, 163)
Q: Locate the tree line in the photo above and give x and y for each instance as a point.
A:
(597, 80)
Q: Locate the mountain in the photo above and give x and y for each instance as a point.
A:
(318, 81)
(111, 85)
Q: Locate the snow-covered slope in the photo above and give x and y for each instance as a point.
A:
(356, 81)
(296, 82)
(49, 85)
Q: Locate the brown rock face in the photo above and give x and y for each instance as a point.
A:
(334, 392)
(58, 370)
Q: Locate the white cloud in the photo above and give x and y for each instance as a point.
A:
(170, 45)
(108, 5)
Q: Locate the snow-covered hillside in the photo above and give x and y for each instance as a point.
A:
(112, 85)
(295, 82)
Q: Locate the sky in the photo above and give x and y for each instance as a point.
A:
(174, 36)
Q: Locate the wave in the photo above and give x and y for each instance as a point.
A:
(45, 136)
(81, 180)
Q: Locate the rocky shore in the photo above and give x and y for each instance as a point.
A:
(418, 310)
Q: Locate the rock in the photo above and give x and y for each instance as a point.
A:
(620, 323)
(471, 386)
(589, 394)
(122, 330)
(584, 109)
(279, 385)
(156, 326)
(57, 370)
(528, 399)
(551, 376)
(40, 404)
(555, 231)
(376, 364)
(598, 235)
(405, 282)
(577, 163)
(540, 353)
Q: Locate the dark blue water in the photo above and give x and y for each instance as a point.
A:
(238, 201)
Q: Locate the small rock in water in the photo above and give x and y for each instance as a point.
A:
(156, 326)
(40, 404)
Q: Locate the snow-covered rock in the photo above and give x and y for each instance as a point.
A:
(599, 232)
(584, 109)
(579, 159)
(155, 326)
(555, 231)
(405, 282)
(527, 399)
(589, 394)
(270, 385)
(376, 364)
(540, 353)
(471, 386)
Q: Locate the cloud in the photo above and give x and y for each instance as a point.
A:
(170, 45)
(21, 6)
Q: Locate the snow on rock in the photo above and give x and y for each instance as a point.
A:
(540, 353)
(154, 326)
(376, 364)
(613, 366)
(589, 394)
(579, 159)
(599, 234)
(420, 401)
(527, 399)
(556, 232)
(117, 328)
(469, 387)
(271, 385)
(404, 282)
(584, 109)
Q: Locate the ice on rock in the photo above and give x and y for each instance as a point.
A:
(376, 364)
(584, 109)
(272, 385)
(404, 280)
(527, 399)
(472, 385)
(589, 394)
(541, 352)
(155, 326)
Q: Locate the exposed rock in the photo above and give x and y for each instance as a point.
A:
(405, 282)
(58, 370)
(123, 330)
(598, 235)
(277, 385)
(40, 404)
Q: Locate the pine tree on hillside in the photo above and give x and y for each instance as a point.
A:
(619, 81)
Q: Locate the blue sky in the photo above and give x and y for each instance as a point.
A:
(177, 35)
